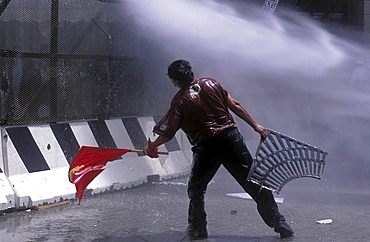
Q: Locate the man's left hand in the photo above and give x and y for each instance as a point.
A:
(149, 151)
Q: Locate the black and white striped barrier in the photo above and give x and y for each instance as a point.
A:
(6, 193)
(36, 158)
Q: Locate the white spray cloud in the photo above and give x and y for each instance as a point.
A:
(215, 30)
(293, 75)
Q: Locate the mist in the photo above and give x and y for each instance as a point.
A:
(291, 74)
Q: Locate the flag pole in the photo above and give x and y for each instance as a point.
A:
(142, 151)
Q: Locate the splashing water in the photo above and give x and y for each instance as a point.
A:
(291, 74)
(217, 31)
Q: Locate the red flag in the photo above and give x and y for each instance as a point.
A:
(90, 162)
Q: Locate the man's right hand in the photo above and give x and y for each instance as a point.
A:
(262, 131)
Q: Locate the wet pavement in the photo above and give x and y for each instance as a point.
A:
(158, 213)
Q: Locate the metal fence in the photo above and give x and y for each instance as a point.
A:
(69, 60)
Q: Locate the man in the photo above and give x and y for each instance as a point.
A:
(200, 109)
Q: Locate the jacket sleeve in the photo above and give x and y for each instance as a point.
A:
(169, 124)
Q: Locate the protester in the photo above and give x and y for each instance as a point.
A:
(201, 109)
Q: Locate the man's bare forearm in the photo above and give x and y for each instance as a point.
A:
(237, 108)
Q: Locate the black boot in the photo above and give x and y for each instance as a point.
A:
(283, 228)
(197, 233)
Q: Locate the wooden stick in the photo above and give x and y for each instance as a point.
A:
(142, 151)
(53, 205)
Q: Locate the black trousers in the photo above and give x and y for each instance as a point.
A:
(227, 148)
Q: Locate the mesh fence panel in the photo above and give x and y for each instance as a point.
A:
(66, 60)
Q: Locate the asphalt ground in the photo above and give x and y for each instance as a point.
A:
(158, 212)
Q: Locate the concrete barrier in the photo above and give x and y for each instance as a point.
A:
(7, 196)
(36, 159)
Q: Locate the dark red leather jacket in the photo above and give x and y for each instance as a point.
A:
(199, 109)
